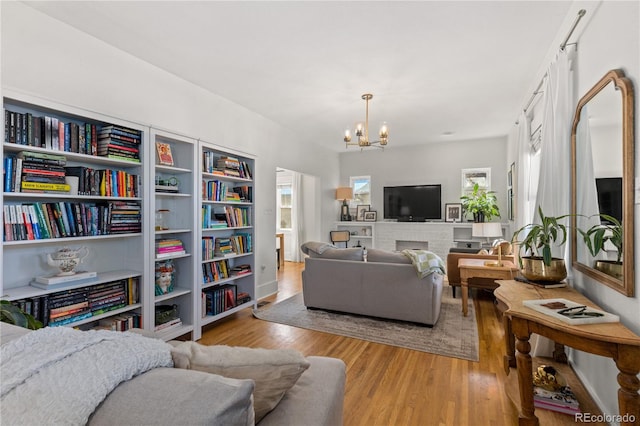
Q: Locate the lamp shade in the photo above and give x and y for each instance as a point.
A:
(344, 193)
(486, 229)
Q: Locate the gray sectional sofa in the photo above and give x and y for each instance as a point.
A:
(185, 396)
(374, 282)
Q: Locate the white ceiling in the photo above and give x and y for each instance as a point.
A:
(434, 67)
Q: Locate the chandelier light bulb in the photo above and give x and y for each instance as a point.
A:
(359, 129)
(347, 135)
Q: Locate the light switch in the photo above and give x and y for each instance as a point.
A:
(638, 190)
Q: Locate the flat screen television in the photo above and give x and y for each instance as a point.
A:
(610, 196)
(413, 203)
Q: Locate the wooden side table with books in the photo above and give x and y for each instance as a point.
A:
(611, 340)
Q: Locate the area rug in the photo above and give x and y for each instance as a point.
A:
(453, 335)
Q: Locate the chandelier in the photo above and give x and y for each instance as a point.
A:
(362, 131)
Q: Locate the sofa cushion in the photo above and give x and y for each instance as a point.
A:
(377, 255)
(274, 371)
(168, 396)
(329, 251)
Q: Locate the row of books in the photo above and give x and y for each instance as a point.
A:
(215, 271)
(226, 166)
(46, 173)
(50, 133)
(105, 182)
(39, 221)
(34, 172)
(215, 190)
(122, 322)
(83, 138)
(219, 299)
(213, 247)
(169, 247)
(231, 216)
(68, 306)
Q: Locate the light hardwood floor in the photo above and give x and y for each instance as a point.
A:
(388, 385)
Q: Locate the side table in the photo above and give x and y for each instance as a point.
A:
(478, 268)
(611, 340)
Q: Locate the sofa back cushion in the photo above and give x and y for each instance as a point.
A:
(329, 251)
(377, 255)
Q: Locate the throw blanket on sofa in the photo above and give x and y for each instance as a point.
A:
(425, 262)
(59, 375)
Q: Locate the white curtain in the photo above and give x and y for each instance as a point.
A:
(555, 150)
(523, 184)
(554, 183)
(297, 222)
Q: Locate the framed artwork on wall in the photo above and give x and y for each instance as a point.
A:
(472, 176)
(453, 212)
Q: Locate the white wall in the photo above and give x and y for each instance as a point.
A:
(49, 59)
(608, 37)
(431, 163)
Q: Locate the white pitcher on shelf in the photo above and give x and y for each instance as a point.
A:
(67, 259)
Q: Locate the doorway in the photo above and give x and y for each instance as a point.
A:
(297, 212)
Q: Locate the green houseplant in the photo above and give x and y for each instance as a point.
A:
(539, 264)
(482, 204)
(597, 236)
(12, 314)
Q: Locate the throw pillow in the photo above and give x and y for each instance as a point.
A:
(274, 371)
(356, 253)
(312, 248)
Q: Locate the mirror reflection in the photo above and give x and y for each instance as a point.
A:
(602, 163)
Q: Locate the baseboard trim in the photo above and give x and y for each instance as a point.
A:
(266, 289)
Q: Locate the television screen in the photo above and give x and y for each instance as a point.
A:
(414, 203)
(610, 196)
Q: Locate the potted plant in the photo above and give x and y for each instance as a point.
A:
(539, 264)
(595, 239)
(11, 314)
(482, 204)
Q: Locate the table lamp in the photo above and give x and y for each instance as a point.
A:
(489, 230)
(344, 193)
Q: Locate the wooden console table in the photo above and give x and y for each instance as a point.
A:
(611, 340)
(476, 268)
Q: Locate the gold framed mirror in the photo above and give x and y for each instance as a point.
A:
(602, 169)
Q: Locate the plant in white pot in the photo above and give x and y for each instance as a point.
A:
(482, 204)
(539, 264)
(597, 236)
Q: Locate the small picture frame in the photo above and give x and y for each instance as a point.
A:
(165, 157)
(370, 216)
(360, 210)
(453, 212)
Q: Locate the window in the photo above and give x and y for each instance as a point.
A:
(284, 206)
(361, 190)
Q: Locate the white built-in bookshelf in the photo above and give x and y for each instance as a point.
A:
(227, 257)
(173, 231)
(135, 215)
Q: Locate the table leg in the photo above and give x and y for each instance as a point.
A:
(464, 285)
(525, 374)
(628, 398)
